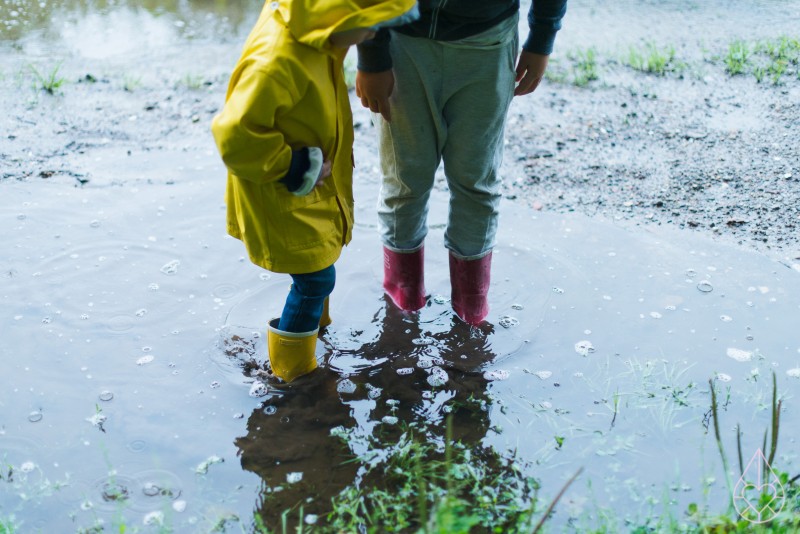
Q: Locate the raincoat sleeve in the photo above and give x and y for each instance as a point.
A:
(245, 132)
(373, 55)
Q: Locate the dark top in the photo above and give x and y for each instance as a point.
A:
(450, 20)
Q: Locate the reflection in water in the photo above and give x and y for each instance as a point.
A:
(190, 19)
(294, 441)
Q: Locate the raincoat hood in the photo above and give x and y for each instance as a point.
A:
(312, 22)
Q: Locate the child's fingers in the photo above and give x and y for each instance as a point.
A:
(325, 171)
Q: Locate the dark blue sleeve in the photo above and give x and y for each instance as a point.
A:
(297, 168)
(373, 55)
(544, 19)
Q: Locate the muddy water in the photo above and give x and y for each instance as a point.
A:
(129, 318)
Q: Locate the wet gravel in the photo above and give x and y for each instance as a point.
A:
(718, 155)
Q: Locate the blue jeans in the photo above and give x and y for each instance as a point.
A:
(303, 306)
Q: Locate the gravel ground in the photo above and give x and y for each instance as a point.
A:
(718, 155)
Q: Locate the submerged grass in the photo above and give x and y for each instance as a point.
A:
(416, 483)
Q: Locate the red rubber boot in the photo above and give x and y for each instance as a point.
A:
(403, 274)
(469, 283)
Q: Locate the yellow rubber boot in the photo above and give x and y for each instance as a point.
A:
(325, 318)
(291, 354)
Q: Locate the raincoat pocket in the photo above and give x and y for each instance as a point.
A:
(288, 202)
(313, 224)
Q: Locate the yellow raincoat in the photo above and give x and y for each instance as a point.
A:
(287, 92)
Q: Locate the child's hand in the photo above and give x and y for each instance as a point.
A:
(374, 90)
(530, 71)
(324, 172)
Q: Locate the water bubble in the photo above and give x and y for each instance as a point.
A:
(95, 223)
(294, 477)
(105, 395)
(270, 410)
(740, 355)
(544, 375)
(153, 287)
(346, 386)
(726, 318)
(373, 392)
(171, 267)
(437, 376)
(389, 419)
(440, 299)
(311, 519)
(393, 402)
(258, 389)
(46, 320)
(141, 313)
(405, 371)
(584, 348)
(794, 373)
(35, 416)
(517, 307)
(84, 317)
(114, 490)
(499, 374)
(147, 349)
(691, 273)
(238, 415)
(655, 315)
(705, 286)
(264, 276)
(557, 290)
(722, 377)
(427, 394)
(215, 384)
(507, 321)
(145, 359)
(150, 489)
(27, 467)
(425, 362)
(179, 506)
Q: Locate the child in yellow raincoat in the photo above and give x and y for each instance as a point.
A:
(286, 136)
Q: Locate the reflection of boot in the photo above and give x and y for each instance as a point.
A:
(291, 354)
(403, 278)
(469, 282)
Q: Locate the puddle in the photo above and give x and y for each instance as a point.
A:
(631, 323)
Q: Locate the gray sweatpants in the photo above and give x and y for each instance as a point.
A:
(449, 104)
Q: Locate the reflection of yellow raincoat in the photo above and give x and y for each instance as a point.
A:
(287, 92)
